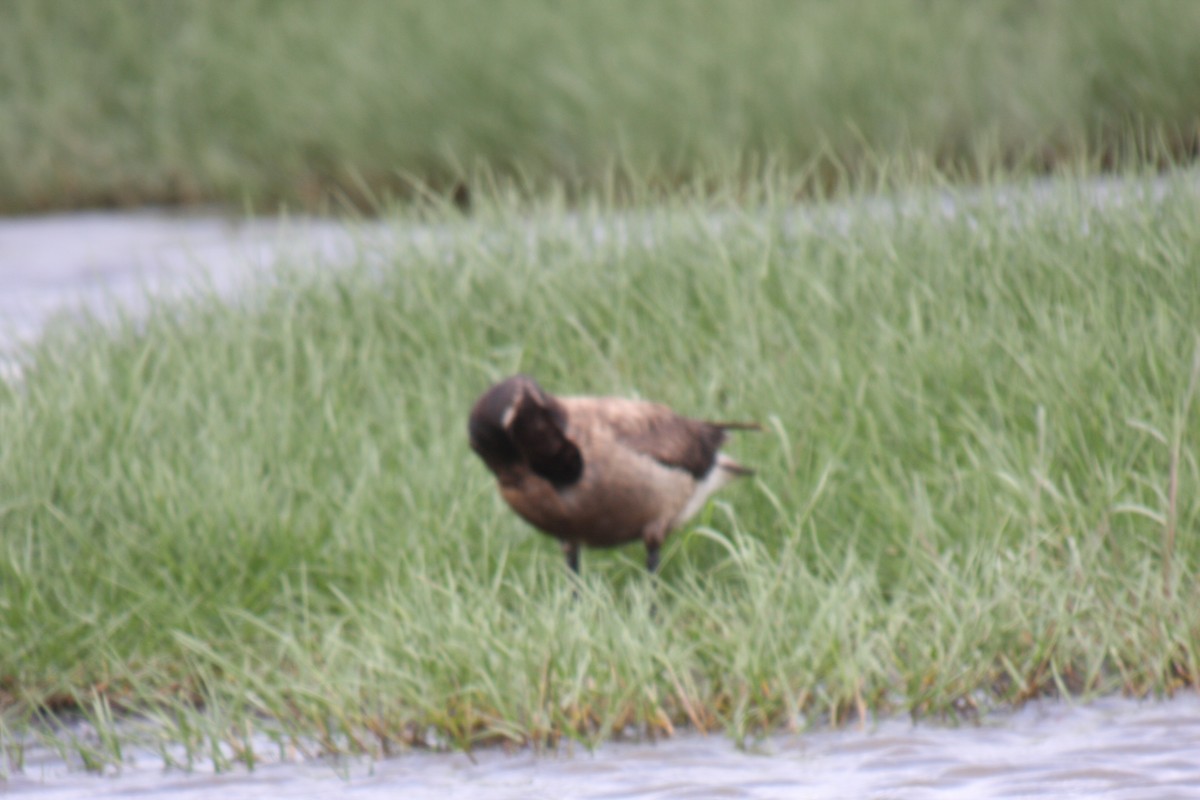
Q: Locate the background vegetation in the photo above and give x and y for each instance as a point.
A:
(164, 101)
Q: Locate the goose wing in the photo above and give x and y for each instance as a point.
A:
(675, 441)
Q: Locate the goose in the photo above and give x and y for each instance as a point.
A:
(599, 471)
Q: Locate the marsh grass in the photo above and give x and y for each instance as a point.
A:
(259, 522)
(131, 102)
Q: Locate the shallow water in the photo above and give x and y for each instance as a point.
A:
(1114, 748)
(95, 261)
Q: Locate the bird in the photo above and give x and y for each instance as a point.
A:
(599, 471)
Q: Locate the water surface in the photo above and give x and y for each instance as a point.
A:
(1113, 748)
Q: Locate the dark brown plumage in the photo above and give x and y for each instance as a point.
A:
(598, 471)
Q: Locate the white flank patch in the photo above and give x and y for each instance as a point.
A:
(509, 413)
(717, 477)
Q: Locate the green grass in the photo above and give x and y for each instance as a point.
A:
(161, 101)
(978, 481)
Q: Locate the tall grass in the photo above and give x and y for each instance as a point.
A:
(978, 482)
(136, 101)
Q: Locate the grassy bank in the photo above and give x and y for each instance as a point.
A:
(141, 101)
(979, 482)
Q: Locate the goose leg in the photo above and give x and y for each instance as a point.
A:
(652, 570)
(572, 551)
(651, 557)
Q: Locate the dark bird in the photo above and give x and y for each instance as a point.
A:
(599, 471)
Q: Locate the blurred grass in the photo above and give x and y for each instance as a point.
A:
(263, 520)
(180, 101)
